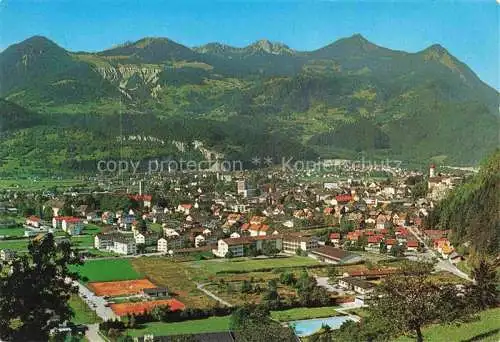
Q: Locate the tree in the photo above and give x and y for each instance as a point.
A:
(269, 248)
(407, 301)
(34, 296)
(484, 290)
(141, 248)
(253, 324)
(397, 251)
(382, 248)
(246, 286)
(287, 278)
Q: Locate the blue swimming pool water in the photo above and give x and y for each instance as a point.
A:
(310, 326)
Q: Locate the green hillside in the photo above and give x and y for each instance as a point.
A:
(471, 210)
(347, 98)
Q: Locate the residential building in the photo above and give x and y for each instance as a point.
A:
(69, 224)
(360, 286)
(116, 242)
(294, 242)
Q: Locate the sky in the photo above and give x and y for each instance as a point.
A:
(468, 29)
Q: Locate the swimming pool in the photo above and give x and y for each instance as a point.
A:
(310, 326)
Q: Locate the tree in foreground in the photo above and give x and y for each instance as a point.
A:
(484, 290)
(34, 291)
(405, 302)
(253, 324)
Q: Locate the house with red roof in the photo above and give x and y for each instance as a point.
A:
(145, 199)
(391, 243)
(412, 245)
(329, 211)
(335, 238)
(33, 221)
(184, 208)
(258, 229)
(69, 224)
(344, 198)
(354, 236)
(374, 241)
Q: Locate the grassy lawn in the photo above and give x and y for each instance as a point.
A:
(304, 313)
(447, 277)
(82, 241)
(91, 229)
(12, 232)
(486, 328)
(212, 267)
(156, 227)
(107, 270)
(176, 276)
(212, 324)
(464, 267)
(361, 312)
(16, 245)
(83, 314)
(29, 184)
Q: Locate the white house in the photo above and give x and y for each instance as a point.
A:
(125, 245)
(162, 245)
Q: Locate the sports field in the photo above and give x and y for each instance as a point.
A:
(106, 270)
(120, 288)
(123, 309)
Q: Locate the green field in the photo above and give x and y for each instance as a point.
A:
(249, 265)
(28, 184)
(486, 329)
(16, 245)
(106, 270)
(12, 232)
(156, 227)
(82, 241)
(83, 314)
(91, 229)
(304, 313)
(212, 324)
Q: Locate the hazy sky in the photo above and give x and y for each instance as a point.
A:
(468, 29)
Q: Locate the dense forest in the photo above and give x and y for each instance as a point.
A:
(471, 211)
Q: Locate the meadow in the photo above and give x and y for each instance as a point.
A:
(106, 270)
(82, 313)
(30, 184)
(16, 245)
(304, 313)
(218, 266)
(485, 328)
(14, 232)
(178, 278)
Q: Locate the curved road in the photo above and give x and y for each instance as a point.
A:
(442, 265)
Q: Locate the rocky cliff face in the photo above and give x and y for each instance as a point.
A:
(133, 80)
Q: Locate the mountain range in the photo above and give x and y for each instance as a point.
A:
(63, 110)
